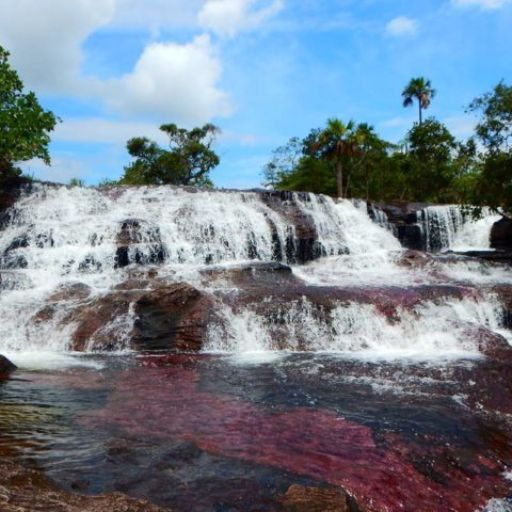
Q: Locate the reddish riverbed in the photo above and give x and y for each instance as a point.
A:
(204, 433)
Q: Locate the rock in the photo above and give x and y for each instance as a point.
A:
(138, 242)
(27, 490)
(166, 317)
(6, 367)
(302, 243)
(10, 190)
(172, 317)
(501, 234)
(100, 322)
(405, 220)
(318, 499)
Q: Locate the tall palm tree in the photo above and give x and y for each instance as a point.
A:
(420, 89)
(337, 142)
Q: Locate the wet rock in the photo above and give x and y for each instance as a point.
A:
(6, 367)
(504, 293)
(318, 499)
(252, 275)
(406, 222)
(415, 259)
(171, 317)
(27, 490)
(100, 322)
(10, 190)
(501, 234)
(302, 243)
(140, 243)
(70, 292)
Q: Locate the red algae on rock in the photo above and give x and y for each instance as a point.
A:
(391, 475)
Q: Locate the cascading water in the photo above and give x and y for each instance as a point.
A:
(453, 227)
(335, 359)
(90, 240)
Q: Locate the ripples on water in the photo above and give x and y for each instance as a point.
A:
(210, 433)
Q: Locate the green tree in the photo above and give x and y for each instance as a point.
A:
(284, 160)
(419, 89)
(431, 150)
(187, 161)
(24, 124)
(495, 127)
(337, 144)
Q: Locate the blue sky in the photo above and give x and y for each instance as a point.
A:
(262, 70)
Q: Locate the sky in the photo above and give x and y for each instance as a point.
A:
(262, 70)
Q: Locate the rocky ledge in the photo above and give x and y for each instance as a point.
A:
(27, 490)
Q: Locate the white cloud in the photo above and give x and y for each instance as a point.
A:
(169, 82)
(98, 130)
(461, 126)
(229, 17)
(45, 37)
(173, 82)
(487, 5)
(402, 26)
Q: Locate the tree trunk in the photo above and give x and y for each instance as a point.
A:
(421, 114)
(339, 179)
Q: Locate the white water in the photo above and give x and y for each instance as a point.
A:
(70, 235)
(450, 227)
(430, 331)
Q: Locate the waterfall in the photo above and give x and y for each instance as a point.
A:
(453, 227)
(430, 330)
(63, 249)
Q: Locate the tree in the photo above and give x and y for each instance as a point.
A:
(419, 89)
(495, 127)
(24, 124)
(187, 161)
(337, 143)
(431, 150)
(494, 183)
(284, 160)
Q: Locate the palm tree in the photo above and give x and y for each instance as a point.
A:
(337, 142)
(420, 89)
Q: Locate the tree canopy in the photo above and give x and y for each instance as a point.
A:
(419, 89)
(24, 124)
(188, 160)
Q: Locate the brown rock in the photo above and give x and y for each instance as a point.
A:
(172, 317)
(27, 490)
(318, 499)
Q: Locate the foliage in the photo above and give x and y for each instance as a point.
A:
(76, 182)
(187, 161)
(495, 128)
(284, 160)
(430, 166)
(419, 89)
(24, 124)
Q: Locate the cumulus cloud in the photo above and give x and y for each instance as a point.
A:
(487, 5)
(173, 82)
(170, 81)
(105, 131)
(45, 38)
(229, 17)
(402, 26)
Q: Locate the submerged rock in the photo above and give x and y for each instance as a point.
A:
(318, 499)
(27, 490)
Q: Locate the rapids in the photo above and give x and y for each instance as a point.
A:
(245, 351)
(56, 237)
